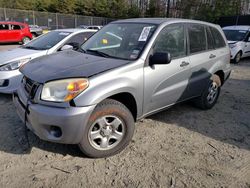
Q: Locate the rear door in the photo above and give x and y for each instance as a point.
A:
(202, 55)
(166, 84)
(15, 33)
(4, 32)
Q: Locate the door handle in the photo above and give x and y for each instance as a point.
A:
(212, 56)
(184, 63)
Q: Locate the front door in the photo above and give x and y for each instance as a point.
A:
(247, 46)
(167, 84)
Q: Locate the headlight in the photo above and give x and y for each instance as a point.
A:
(63, 90)
(14, 65)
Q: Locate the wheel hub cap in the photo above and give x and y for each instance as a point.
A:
(106, 132)
(212, 93)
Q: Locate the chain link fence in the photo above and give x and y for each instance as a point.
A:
(50, 20)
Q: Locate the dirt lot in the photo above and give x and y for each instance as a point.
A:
(180, 147)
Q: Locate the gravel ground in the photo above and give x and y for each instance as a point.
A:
(180, 147)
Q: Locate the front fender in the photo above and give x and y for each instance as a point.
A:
(128, 79)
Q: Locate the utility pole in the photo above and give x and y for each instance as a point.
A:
(168, 8)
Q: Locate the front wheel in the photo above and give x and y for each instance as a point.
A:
(210, 95)
(237, 58)
(109, 130)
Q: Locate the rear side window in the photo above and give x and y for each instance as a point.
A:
(4, 27)
(93, 27)
(219, 41)
(15, 27)
(248, 37)
(210, 40)
(197, 38)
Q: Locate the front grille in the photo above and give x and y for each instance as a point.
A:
(30, 86)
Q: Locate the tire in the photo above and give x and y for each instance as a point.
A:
(109, 130)
(34, 35)
(210, 94)
(25, 40)
(237, 58)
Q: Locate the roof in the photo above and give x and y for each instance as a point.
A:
(237, 27)
(74, 30)
(12, 22)
(145, 20)
(159, 21)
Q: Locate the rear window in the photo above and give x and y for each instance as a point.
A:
(219, 41)
(4, 27)
(197, 38)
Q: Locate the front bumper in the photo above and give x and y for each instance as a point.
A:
(13, 80)
(42, 119)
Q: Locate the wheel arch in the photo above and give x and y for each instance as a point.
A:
(221, 74)
(128, 100)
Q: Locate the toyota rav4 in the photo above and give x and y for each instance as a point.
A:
(128, 70)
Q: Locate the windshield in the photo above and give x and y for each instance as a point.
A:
(120, 40)
(47, 41)
(235, 35)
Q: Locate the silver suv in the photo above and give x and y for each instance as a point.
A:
(128, 70)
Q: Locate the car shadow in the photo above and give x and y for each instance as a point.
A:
(228, 121)
(16, 139)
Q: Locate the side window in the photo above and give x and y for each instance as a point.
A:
(87, 35)
(248, 37)
(80, 38)
(210, 40)
(172, 40)
(15, 27)
(4, 27)
(197, 38)
(219, 41)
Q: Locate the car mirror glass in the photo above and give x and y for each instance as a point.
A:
(160, 58)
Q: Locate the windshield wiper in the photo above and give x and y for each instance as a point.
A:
(99, 53)
(31, 47)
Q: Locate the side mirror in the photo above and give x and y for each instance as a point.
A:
(67, 47)
(248, 39)
(160, 58)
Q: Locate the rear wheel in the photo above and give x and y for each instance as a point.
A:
(25, 40)
(237, 58)
(109, 130)
(210, 95)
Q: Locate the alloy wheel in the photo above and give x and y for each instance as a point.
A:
(106, 132)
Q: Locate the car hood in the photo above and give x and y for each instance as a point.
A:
(16, 54)
(68, 64)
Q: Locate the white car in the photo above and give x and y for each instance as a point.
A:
(239, 41)
(54, 41)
